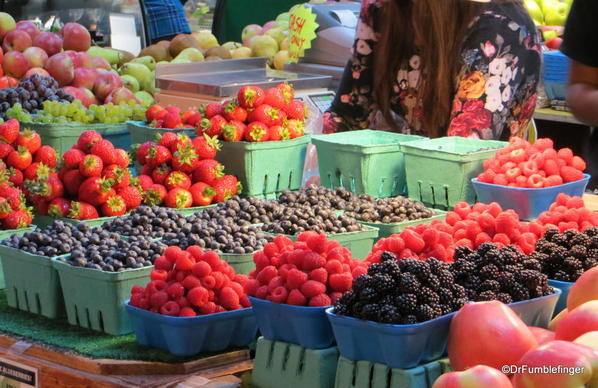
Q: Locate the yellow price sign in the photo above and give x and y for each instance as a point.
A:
(302, 30)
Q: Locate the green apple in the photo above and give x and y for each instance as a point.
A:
(280, 59)
(264, 46)
(535, 12)
(277, 33)
(549, 35)
(241, 52)
(283, 16)
(556, 16)
(230, 46)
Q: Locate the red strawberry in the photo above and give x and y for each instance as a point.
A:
(9, 131)
(178, 198)
(15, 197)
(195, 119)
(296, 110)
(144, 181)
(91, 165)
(46, 190)
(5, 208)
(256, 132)
(172, 120)
(15, 177)
(72, 158)
(275, 98)
(121, 176)
(296, 128)
(214, 110)
(114, 206)
(5, 150)
(233, 131)
(232, 111)
(121, 158)
(277, 133)
(215, 128)
(142, 151)
(160, 173)
(186, 114)
(30, 140)
(154, 194)
(157, 155)
(59, 207)
(208, 171)
(167, 139)
(105, 150)
(202, 194)
(177, 179)
(19, 159)
(87, 139)
(185, 160)
(182, 141)
(37, 171)
(226, 187)
(206, 147)
(72, 180)
(155, 112)
(17, 220)
(250, 97)
(83, 211)
(46, 155)
(287, 91)
(96, 190)
(132, 197)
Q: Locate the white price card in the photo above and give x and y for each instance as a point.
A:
(16, 375)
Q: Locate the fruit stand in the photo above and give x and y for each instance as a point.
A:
(177, 218)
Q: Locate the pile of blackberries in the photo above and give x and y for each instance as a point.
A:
(31, 93)
(566, 256)
(391, 210)
(116, 255)
(506, 274)
(147, 221)
(338, 199)
(294, 220)
(58, 238)
(221, 234)
(402, 292)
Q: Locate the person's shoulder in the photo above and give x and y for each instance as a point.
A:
(504, 16)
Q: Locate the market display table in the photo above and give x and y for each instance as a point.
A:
(591, 202)
(556, 115)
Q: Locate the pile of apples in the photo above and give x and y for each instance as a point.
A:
(550, 16)
(270, 40)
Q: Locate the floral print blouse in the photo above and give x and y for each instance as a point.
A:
(495, 90)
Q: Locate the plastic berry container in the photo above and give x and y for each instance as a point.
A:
(565, 287)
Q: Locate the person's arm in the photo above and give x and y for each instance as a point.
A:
(582, 92)
(353, 103)
(497, 84)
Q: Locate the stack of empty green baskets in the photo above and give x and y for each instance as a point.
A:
(364, 162)
(439, 171)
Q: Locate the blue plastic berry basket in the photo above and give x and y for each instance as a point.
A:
(305, 326)
(565, 287)
(538, 311)
(555, 74)
(528, 203)
(189, 336)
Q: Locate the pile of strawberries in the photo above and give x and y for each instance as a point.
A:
(568, 213)
(94, 180)
(187, 283)
(181, 173)
(312, 272)
(254, 116)
(537, 165)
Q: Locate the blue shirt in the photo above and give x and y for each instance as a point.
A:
(165, 18)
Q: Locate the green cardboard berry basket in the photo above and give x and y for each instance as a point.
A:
(6, 234)
(32, 283)
(364, 161)
(140, 132)
(95, 299)
(192, 210)
(43, 221)
(242, 263)
(385, 230)
(360, 243)
(439, 171)
(265, 169)
(63, 136)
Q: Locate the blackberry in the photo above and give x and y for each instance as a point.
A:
(550, 233)
(388, 256)
(425, 313)
(504, 297)
(530, 279)
(446, 309)
(436, 265)
(562, 276)
(532, 264)
(462, 252)
(579, 251)
(445, 278)
(458, 303)
(369, 312)
(545, 246)
(559, 239)
(408, 283)
(391, 268)
(519, 292)
(490, 271)
(421, 269)
(375, 269)
(383, 283)
(485, 247)
(363, 281)
(406, 303)
(580, 239)
(506, 280)
(458, 291)
(367, 295)
(433, 282)
(490, 285)
(408, 319)
(572, 264)
(427, 296)
(462, 267)
(446, 296)
(592, 253)
(486, 295)
(388, 314)
(592, 231)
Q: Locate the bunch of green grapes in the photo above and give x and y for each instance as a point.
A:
(75, 112)
(16, 112)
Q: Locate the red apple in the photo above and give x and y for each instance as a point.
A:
(584, 289)
(578, 367)
(61, 67)
(29, 27)
(50, 42)
(83, 59)
(579, 321)
(477, 377)
(36, 56)
(105, 84)
(554, 43)
(120, 96)
(17, 40)
(100, 63)
(472, 327)
(85, 78)
(7, 24)
(75, 37)
(15, 64)
(554, 324)
(75, 92)
(88, 98)
(542, 335)
(589, 339)
(37, 70)
(8, 82)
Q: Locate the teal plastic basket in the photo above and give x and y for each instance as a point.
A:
(140, 132)
(364, 162)
(439, 171)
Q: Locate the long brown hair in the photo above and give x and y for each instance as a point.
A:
(439, 28)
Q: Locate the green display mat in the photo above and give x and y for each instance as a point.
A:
(58, 334)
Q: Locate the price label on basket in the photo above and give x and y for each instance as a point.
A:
(302, 30)
(16, 375)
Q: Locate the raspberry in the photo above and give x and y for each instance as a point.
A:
(358, 271)
(261, 292)
(544, 144)
(279, 295)
(553, 180)
(462, 209)
(564, 226)
(570, 174)
(180, 276)
(341, 282)
(452, 218)
(512, 174)
(155, 286)
(175, 290)
(321, 300)
(173, 253)
(136, 299)
(201, 269)
(551, 167)
(529, 168)
(482, 238)
(317, 243)
(244, 301)
(535, 181)
(536, 228)
(137, 290)
(334, 296)
(334, 266)
(212, 258)
(158, 299)
(271, 249)
(319, 275)
(578, 163)
(208, 282)
(187, 312)
(198, 296)
(445, 239)
(207, 308)
(221, 279)
(296, 278)
(220, 309)
(158, 274)
(575, 203)
(571, 215)
(464, 243)
(261, 260)
(501, 238)
(412, 240)
(191, 282)
(296, 298)
(282, 242)
(501, 180)
(505, 223)
(184, 261)
(312, 288)
(275, 282)
(163, 263)
(284, 269)
(537, 158)
(312, 260)
(182, 301)
(196, 252)
(267, 274)
(566, 154)
(170, 308)
(238, 288)
(430, 237)
(395, 244)
(229, 299)
(251, 287)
